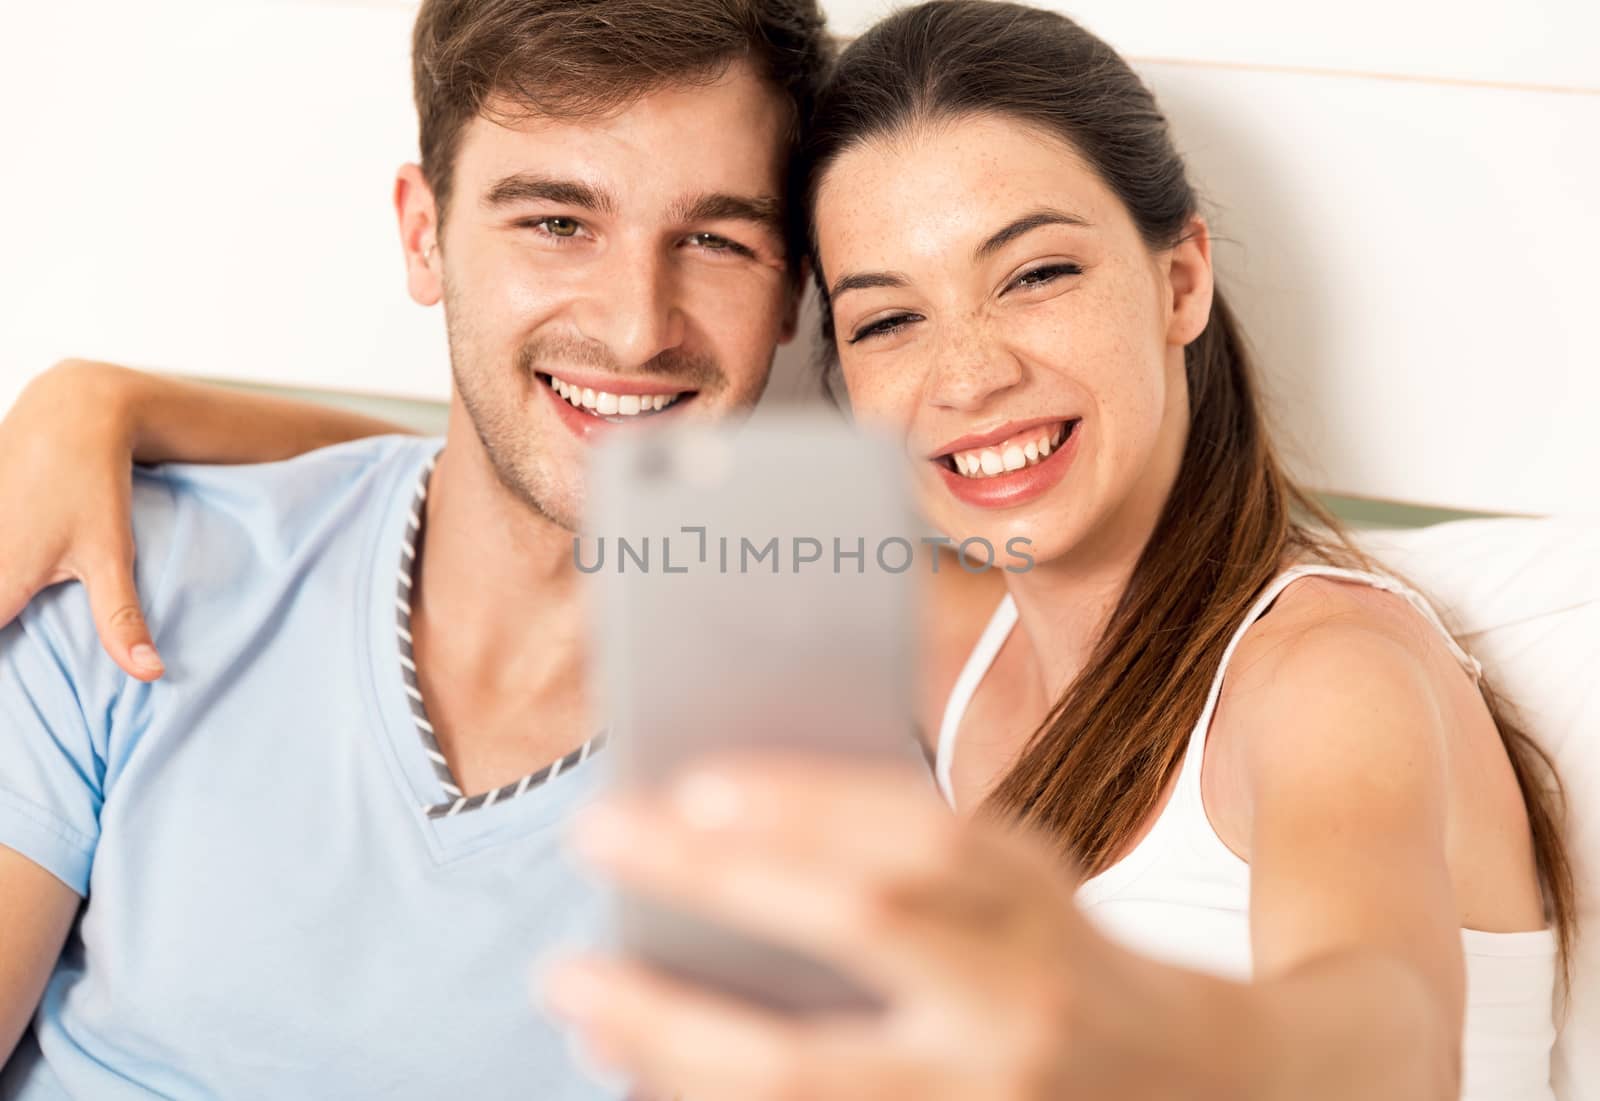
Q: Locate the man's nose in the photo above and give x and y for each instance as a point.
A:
(633, 308)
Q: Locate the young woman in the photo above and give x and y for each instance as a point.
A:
(1318, 860)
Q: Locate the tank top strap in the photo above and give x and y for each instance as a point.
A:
(978, 662)
(1004, 620)
(1194, 754)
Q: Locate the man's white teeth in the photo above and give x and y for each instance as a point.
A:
(1014, 454)
(603, 404)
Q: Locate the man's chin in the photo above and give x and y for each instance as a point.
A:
(557, 502)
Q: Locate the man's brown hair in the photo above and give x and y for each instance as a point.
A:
(579, 58)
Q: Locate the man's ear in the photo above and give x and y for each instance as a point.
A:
(419, 235)
(796, 299)
(1190, 280)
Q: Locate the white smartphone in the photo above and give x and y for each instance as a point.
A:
(756, 588)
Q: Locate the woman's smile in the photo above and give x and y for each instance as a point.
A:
(1011, 466)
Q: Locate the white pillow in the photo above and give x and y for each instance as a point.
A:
(1524, 598)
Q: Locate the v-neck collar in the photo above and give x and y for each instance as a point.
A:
(546, 797)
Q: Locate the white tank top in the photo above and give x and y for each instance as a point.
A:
(1182, 896)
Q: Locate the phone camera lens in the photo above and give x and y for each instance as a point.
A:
(654, 461)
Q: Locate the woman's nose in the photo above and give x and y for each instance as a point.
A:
(973, 366)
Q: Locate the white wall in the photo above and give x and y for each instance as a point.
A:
(1405, 193)
(206, 189)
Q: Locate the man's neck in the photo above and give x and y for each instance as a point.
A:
(498, 622)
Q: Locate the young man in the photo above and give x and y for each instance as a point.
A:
(316, 858)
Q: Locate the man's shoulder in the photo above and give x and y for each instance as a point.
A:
(270, 513)
(214, 541)
(345, 470)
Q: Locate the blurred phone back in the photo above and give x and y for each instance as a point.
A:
(756, 588)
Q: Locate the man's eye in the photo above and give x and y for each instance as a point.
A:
(882, 327)
(716, 243)
(560, 227)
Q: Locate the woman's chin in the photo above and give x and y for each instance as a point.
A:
(1014, 545)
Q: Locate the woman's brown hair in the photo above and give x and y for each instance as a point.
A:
(1096, 767)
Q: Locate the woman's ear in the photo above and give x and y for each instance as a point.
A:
(1189, 279)
(417, 213)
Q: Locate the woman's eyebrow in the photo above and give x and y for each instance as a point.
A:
(862, 280)
(1044, 216)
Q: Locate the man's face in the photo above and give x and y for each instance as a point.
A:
(601, 273)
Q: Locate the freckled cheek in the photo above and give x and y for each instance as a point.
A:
(1089, 353)
(1129, 399)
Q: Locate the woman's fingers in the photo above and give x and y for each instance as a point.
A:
(113, 602)
(907, 899)
(118, 618)
(673, 1037)
(65, 465)
(968, 929)
(14, 594)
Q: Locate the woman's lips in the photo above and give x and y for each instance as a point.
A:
(1011, 487)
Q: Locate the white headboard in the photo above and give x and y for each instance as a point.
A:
(1405, 196)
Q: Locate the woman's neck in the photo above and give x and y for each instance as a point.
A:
(1063, 607)
(1064, 604)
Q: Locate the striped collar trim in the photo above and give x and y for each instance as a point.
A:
(456, 803)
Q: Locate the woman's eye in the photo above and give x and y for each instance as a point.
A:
(882, 327)
(1046, 273)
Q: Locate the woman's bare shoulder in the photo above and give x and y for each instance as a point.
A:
(1348, 692)
(1324, 641)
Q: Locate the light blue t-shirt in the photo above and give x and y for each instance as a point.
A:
(270, 912)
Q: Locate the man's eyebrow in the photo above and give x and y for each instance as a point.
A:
(765, 211)
(862, 280)
(525, 187)
(1044, 216)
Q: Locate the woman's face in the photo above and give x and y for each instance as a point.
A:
(994, 304)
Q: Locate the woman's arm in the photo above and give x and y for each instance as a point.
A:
(66, 453)
(162, 419)
(36, 911)
(1343, 746)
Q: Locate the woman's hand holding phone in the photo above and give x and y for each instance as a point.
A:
(995, 984)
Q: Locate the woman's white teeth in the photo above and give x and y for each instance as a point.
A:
(603, 404)
(1014, 454)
